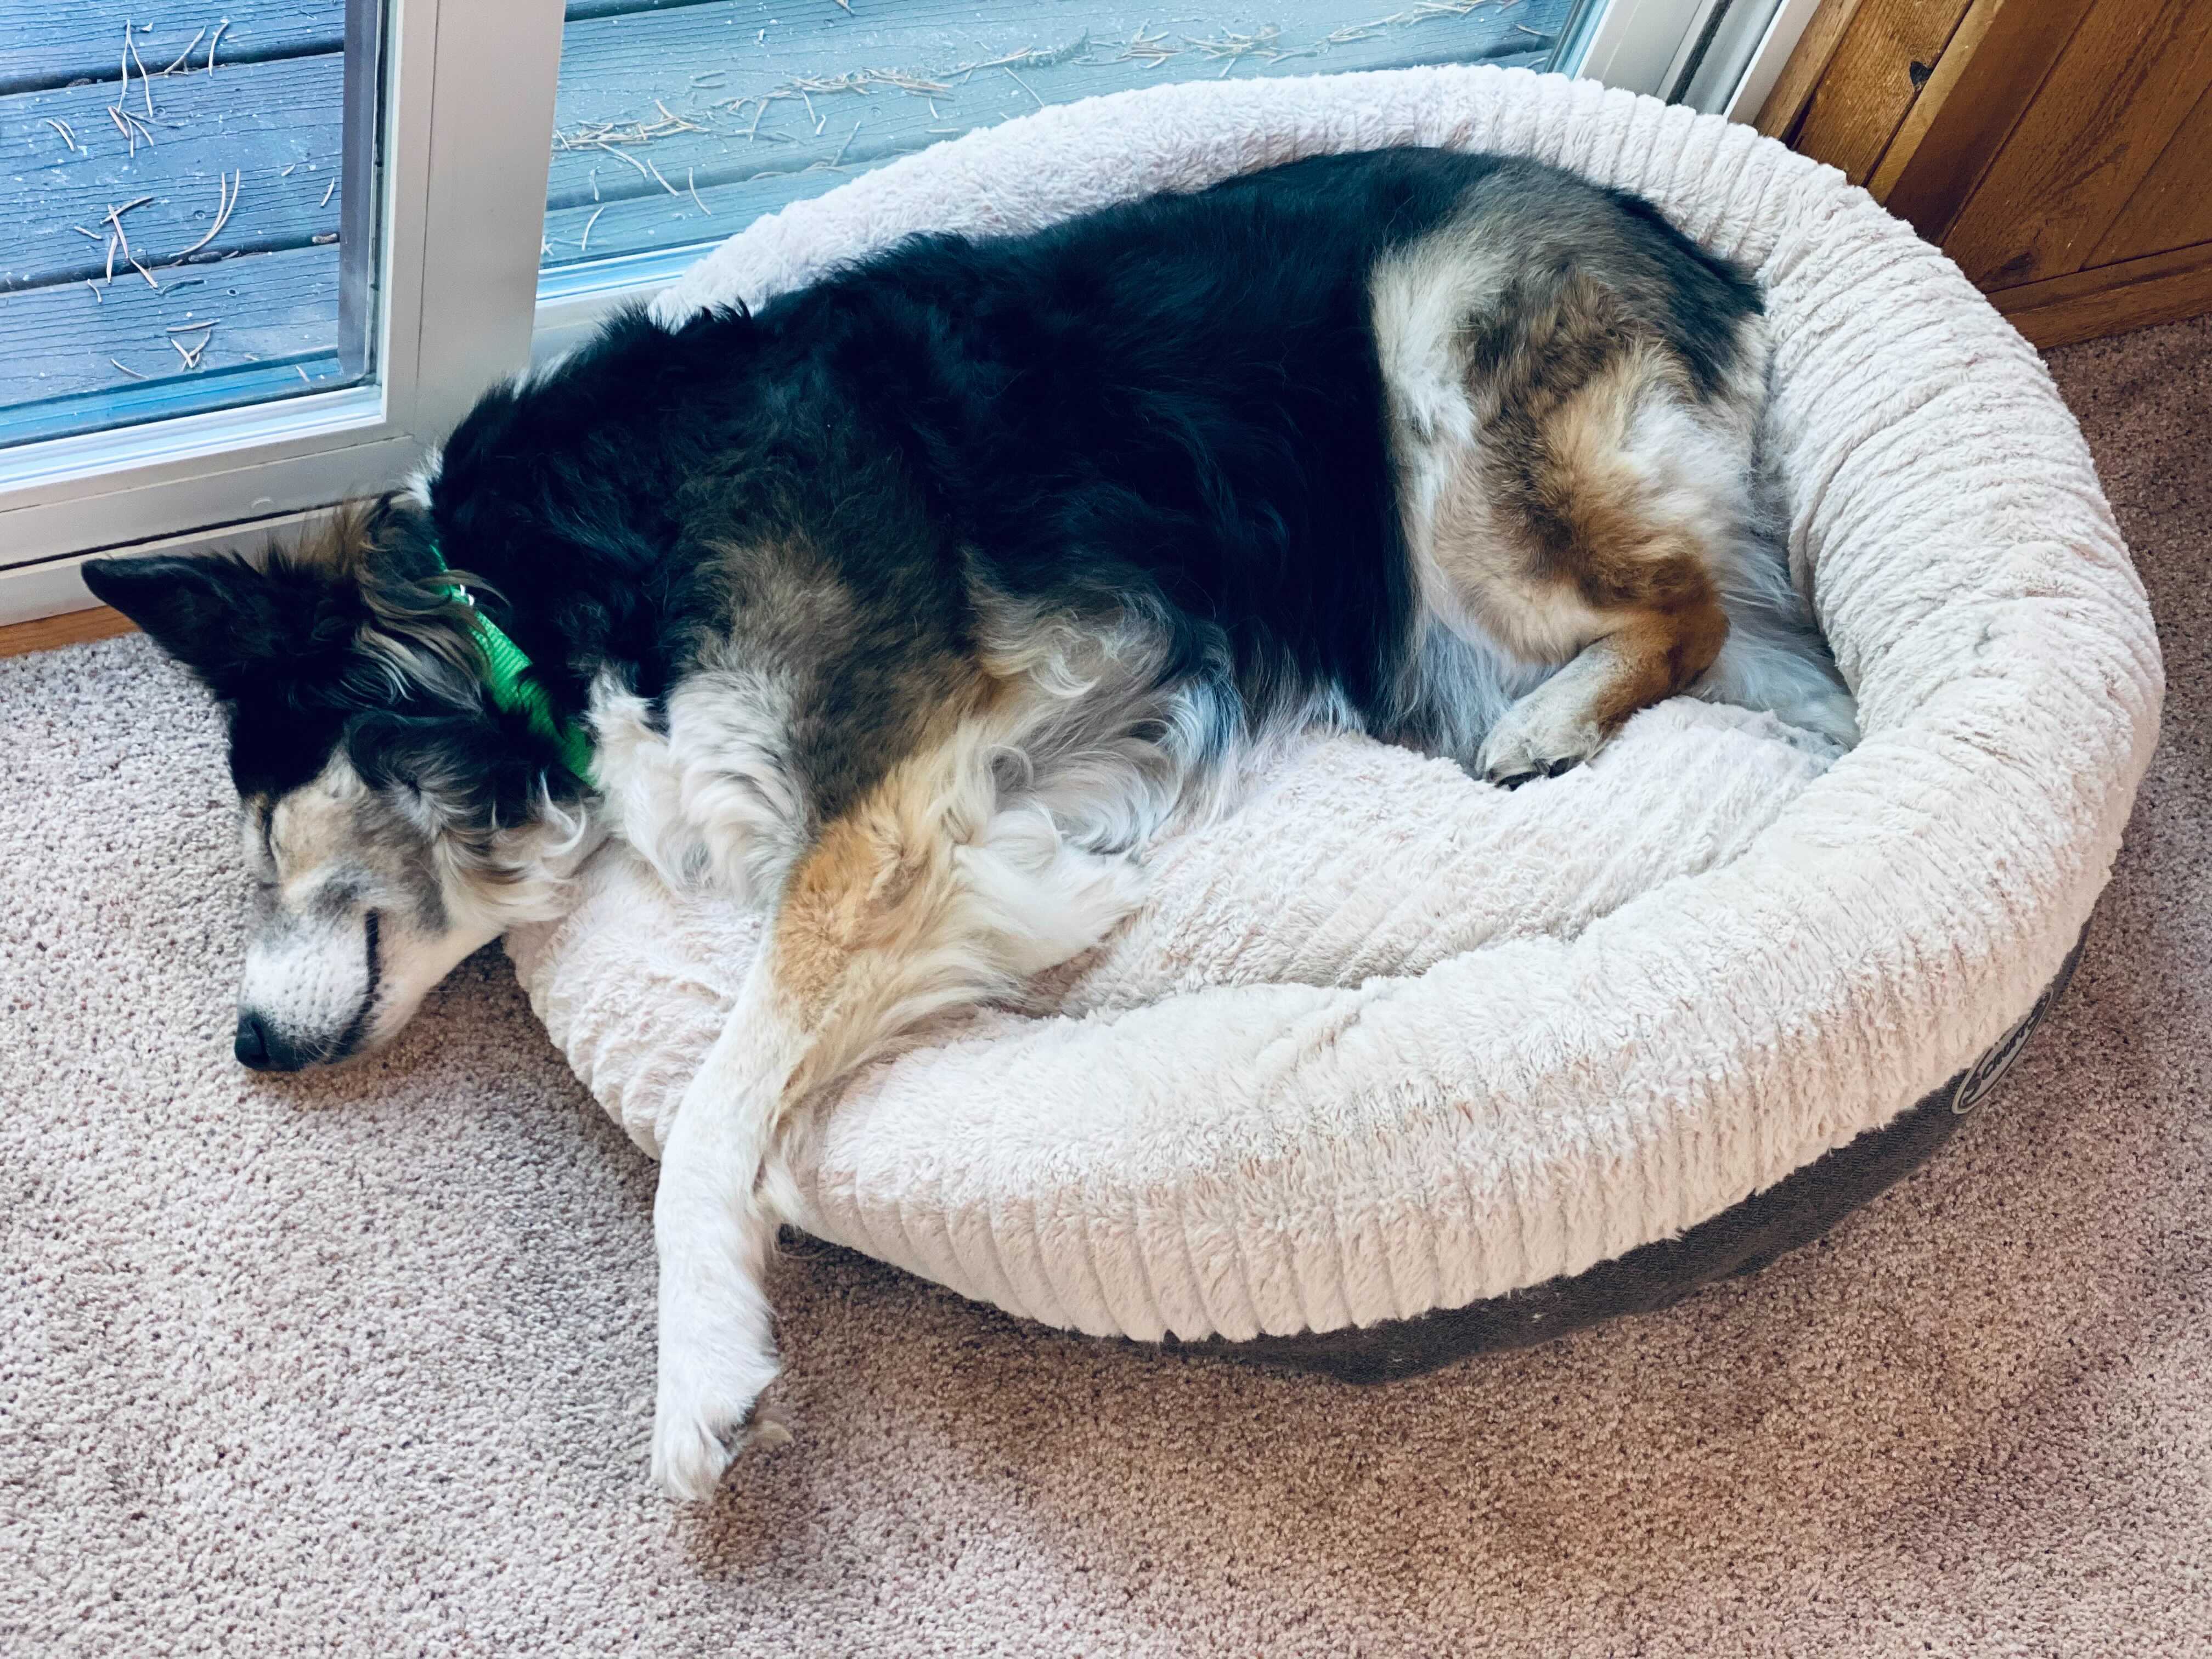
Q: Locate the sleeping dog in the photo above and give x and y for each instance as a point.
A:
(912, 605)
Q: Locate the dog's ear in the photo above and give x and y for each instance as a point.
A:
(216, 614)
(352, 611)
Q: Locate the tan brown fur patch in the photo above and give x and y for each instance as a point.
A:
(870, 918)
(1586, 489)
(1658, 654)
(1552, 532)
(856, 891)
(928, 892)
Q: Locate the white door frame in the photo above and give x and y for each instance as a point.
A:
(460, 218)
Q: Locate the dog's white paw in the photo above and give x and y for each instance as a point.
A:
(705, 1412)
(1539, 736)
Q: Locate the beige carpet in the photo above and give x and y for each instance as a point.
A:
(364, 1364)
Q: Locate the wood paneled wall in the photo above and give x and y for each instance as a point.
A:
(2060, 150)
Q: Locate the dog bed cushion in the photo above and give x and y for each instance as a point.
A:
(1390, 1040)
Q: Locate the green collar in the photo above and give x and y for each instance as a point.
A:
(506, 664)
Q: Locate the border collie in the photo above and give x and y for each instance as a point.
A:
(910, 606)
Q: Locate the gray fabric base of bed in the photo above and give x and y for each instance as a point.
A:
(1762, 1229)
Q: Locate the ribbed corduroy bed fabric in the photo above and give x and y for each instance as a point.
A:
(1333, 1077)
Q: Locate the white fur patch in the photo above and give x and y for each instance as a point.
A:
(713, 1232)
(712, 799)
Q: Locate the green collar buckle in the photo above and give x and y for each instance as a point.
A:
(506, 664)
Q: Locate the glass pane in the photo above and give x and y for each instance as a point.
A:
(679, 123)
(189, 205)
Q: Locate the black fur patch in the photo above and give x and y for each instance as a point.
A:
(281, 642)
(1177, 400)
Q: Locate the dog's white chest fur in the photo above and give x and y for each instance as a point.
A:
(709, 798)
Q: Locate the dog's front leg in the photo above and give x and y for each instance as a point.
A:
(713, 1231)
(917, 901)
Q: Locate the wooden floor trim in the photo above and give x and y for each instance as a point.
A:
(2088, 304)
(72, 628)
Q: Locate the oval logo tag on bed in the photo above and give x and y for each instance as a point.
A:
(1984, 1074)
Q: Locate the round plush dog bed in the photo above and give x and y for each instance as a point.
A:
(1393, 1065)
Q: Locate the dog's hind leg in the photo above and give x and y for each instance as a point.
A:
(929, 895)
(1601, 554)
(1650, 654)
(1602, 545)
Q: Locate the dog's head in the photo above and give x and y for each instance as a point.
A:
(394, 818)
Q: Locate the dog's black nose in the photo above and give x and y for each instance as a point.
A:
(251, 1043)
(258, 1046)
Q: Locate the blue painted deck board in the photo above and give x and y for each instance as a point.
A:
(258, 122)
(617, 8)
(56, 342)
(153, 400)
(51, 43)
(658, 219)
(274, 314)
(634, 73)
